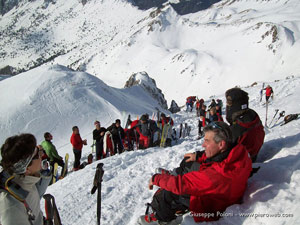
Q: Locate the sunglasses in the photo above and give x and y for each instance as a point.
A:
(38, 153)
(216, 126)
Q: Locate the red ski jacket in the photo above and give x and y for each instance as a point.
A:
(167, 120)
(269, 91)
(253, 137)
(214, 187)
(76, 141)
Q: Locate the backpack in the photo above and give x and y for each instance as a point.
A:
(290, 117)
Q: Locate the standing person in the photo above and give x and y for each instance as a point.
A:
(212, 104)
(190, 102)
(245, 124)
(98, 135)
(206, 182)
(51, 151)
(21, 162)
(77, 144)
(269, 92)
(167, 120)
(118, 135)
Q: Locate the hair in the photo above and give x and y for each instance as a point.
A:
(118, 121)
(16, 148)
(47, 135)
(222, 132)
(74, 128)
(213, 109)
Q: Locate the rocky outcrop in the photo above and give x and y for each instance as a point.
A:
(149, 84)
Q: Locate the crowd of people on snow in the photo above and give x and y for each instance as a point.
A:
(205, 183)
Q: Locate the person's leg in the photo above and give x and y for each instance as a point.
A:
(98, 150)
(77, 154)
(60, 162)
(165, 205)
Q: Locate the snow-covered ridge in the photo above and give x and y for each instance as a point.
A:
(55, 98)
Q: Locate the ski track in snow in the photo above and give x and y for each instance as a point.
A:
(271, 192)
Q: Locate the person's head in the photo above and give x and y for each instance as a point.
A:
(204, 107)
(212, 111)
(217, 138)
(217, 107)
(237, 101)
(118, 123)
(20, 155)
(144, 118)
(97, 124)
(163, 115)
(48, 136)
(75, 130)
(213, 100)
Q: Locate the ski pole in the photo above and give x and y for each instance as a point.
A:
(276, 111)
(97, 186)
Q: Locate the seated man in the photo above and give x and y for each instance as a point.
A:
(51, 151)
(245, 124)
(206, 182)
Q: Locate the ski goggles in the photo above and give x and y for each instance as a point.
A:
(21, 166)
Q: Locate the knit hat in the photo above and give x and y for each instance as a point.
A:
(237, 101)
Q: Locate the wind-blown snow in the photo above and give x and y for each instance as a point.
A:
(272, 192)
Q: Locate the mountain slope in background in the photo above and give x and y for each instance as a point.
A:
(238, 42)
(55, 98)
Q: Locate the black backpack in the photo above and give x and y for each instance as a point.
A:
(290, 117)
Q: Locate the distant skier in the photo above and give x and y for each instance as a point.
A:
(245, 124)
(199, 104)
(269, 93)
(212, 104)
(118, 135)
(77, 144)
(51, 151)
(98, 134)
(190, 103)
(167, 120)
(220, 103)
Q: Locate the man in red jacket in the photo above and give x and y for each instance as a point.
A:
(211, 181)
(269, 92)
(245, 124)
(77, 144)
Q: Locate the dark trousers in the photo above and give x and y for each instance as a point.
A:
(99, 150)
(77, 154)
(60, 162)
(118, 145)
(165, 204)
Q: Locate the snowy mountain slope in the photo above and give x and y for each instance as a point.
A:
(55, 98)
(272, 196)
(237, 42)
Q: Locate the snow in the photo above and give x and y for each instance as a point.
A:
(273, 191)
(233, 43)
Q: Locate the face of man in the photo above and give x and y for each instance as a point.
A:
(117, 124)
(211, 147)
(97, 126)
(50, 137)
(76, 131)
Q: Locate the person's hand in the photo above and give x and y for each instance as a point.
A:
(84, 142)
(150, 185)
(191, 157)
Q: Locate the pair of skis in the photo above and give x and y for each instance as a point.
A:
(64, 171)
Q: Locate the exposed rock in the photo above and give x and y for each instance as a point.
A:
(149, 84)
(174, 108)
(7, 70)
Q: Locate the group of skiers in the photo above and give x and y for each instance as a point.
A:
(207, 182)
